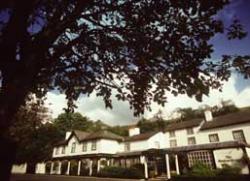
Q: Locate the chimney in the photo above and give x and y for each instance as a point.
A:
(133, 131)
(208, 115)
(68, 133)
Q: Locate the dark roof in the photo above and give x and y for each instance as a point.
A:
(103, 134)
(62, 142)
(182, 125)
(85, 136)
(80, 135)
(140, 137)
(228, 120)
(207, 146)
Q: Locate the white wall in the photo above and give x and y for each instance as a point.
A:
(108, 146)
(230, 157)
(19, 168)
(102, 146)
(181, 136)
(157, 138)
(224, 133)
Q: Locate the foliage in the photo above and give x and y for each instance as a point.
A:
(200, 169)
(32, 132)
(72, 121)
(147, 125)
(224, 107)
(119, 172)
(119, 130)
(100, 45)
(228, 170)
(142, 49)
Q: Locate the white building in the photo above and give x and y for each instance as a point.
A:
(218, 141)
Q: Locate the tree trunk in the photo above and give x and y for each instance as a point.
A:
(7, 157)
(10, 101)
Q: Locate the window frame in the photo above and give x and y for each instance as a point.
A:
(73, 147)
(84, 147)
(242, 134)
(57, 151)
(173, 141)
(171, 134)
(127, 146)
(191, 138)
(214, 134)
(63, 150)
(190, 131)
(94, 145)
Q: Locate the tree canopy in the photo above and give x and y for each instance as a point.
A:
(140, 48)
(33, 133)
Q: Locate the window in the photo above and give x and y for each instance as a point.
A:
(93, 145)
(63, 150)
(57, 151)
(172, 134)
(204, 157)
(84, 147)
(173, 143)
(190, 131)
(127, 146)
(191, 141)
(73, 148)
(213, 138)
(239, 136)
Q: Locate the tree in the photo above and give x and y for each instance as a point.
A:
(72, 121)
(33, 133)
(140, 48)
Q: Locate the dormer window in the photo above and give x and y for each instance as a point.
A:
(73, 148)
(172, 134)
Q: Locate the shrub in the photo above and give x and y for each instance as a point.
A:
(229, 170)
(119, 172)
(200, 169)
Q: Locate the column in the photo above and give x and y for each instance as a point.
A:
(98, 165)
(177, 165)
(51, 167)
(144, 161)
(68, 168)
(168, 166)
(90, 167)
(60, 168)
(79, 167)
(245, 155)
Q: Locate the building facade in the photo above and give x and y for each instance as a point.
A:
(216, 142)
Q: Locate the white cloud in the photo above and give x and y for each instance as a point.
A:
(94, 108)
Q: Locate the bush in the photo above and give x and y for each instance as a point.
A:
(119, 172)
(229, 170)
(200, 169)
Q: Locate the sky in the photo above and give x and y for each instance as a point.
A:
(236, 89)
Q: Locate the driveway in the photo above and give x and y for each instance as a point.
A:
(31, 177)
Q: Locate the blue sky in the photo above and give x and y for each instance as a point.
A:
(236, 89)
